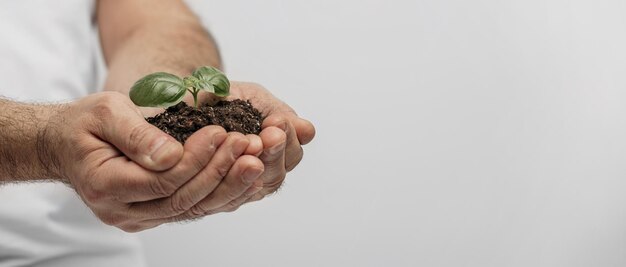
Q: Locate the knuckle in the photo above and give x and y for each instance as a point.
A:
(102, 111)
(248, 194)
(198, 211)
(180, 204)
(294, 160)
(96, 192)
(233, 205)
(161, 188)
(112, 219)
(231, 195)
(277, 181)
(157, 188)
(92, 196)
(197, 163)
(103, 108)
(220, 171)
(273, 161)
(138, 134)
(273, 186)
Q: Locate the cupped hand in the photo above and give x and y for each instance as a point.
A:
(134, 176)
(283, 134)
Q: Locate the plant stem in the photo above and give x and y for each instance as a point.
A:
(194, 93)
(195, 98)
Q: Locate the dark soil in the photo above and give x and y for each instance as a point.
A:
(181, 121)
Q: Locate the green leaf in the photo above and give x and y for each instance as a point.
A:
(212, 80)
(191, 81)
(158, 90)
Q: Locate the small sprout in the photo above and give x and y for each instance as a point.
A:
(164, 89)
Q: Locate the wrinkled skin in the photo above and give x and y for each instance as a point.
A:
(107, 152)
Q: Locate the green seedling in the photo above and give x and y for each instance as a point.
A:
(163, 89)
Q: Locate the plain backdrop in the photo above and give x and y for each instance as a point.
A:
(450, 133)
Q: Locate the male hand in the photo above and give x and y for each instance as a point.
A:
(279, 145)
(282, 136)
(134, 176)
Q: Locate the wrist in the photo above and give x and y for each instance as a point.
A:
(49, 141)
(22, 135)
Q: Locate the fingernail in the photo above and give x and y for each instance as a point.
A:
(250, 175)
(276, 149)
(162, 148)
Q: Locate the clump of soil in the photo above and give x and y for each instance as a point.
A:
(181, 121)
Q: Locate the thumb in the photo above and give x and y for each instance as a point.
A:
(142, 142)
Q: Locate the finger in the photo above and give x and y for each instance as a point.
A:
(132, 183)
(235, 204)
(202, 184)
(304, 130)
(293, 149)
(231, 206)
(255, 147)
(241, 177)
(137, 139)
(273, 157)
(256, 197)
(124, 181)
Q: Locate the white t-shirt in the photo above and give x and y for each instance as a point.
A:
(49, 52)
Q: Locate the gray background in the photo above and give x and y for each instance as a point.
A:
(450, 133)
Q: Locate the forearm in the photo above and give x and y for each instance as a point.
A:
(25, 142)
(176, 44)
